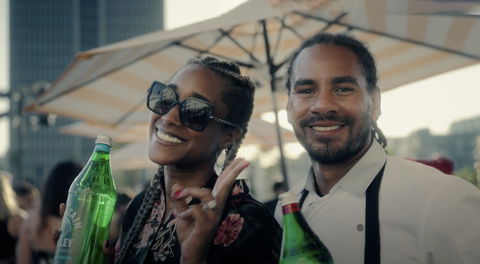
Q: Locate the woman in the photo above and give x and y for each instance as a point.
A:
(203, 110)
(35, 244)
(11, 218)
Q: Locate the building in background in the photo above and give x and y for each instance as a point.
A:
(459, 145)
(44, 37)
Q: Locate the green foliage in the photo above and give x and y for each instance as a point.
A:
(468, 173)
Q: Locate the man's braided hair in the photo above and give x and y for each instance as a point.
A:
(238, 96)
(365, 59)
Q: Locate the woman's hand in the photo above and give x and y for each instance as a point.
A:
(56, 232)
(197, 224)
(108, 250)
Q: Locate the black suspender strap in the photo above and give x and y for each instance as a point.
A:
(303, 197)
(372, 226)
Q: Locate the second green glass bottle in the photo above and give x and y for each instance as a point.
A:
(300, 245)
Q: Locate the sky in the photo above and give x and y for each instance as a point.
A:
(4, 132)
(433, 103)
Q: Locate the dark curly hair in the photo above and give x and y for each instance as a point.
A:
(238, 96)
(364, 56)
(55, 189)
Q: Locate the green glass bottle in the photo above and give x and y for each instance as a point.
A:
(300, 245)
(89, 209)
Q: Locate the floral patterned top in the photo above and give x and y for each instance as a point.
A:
(248, 232)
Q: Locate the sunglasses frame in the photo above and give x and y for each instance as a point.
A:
(177, 102)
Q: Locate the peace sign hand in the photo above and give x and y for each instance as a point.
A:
(196, 224)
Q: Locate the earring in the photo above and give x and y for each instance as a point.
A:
(216, 158)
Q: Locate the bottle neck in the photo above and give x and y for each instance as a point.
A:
(290, 208)
(102, 148)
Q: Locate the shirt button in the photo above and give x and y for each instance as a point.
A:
(360, 227)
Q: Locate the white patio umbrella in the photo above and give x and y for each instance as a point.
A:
(411, 40)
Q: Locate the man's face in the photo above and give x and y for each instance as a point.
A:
(329, 105)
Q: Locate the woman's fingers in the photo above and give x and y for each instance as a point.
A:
(180, 197)
(228, 177)
(109, 251)
(56, 233)
(62, 210)
(179, 202)
(56, 236)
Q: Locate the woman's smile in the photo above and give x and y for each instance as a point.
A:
(169, 138)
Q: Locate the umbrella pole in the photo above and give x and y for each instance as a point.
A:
(272, 70)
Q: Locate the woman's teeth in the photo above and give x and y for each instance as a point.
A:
(330, 128)
(168, 138)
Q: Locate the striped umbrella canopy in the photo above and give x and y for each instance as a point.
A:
(411, 40)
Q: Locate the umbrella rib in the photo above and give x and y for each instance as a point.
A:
(335, 21)
(277, 44)
(216, 41)
(292, 29)
(103, 74)
(391, 36)
(129, 112)
(220, 56)
(227, 34)
(298, 34)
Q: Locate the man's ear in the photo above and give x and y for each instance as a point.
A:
(376, 99)
(231, 136)
(287, 108)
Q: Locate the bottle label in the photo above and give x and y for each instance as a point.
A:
(71, 222)
(102, 147)
(290, 208)
(85, 226)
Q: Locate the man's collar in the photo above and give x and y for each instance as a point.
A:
(359, 177)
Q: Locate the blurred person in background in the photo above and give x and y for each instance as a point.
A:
(35, 244)
(123, 199)
(278, 188)
(11, 218)
(28, 195)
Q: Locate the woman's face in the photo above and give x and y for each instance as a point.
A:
(172, 143)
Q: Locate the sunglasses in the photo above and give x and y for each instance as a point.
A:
(194, 113)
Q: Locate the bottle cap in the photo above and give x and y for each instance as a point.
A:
(103, 139)
(287, 198)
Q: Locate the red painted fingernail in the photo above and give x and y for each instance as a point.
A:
(246, 165)
(176, 194)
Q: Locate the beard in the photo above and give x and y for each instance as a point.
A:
(335, 150)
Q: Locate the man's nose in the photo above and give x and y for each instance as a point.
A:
(325, 103)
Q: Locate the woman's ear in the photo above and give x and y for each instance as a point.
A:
(231, 136)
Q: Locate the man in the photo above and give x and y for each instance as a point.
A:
(365, 206)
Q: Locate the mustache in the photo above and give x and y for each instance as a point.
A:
(328, 117)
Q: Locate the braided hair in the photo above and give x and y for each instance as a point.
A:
(143, 213)
(238, 96)
(364, 56)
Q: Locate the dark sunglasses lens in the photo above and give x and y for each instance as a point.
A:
(161, 99)
(195, 114)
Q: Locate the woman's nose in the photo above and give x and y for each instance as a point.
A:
(172, 117)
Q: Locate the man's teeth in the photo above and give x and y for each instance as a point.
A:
(168, 138)
(330, 128)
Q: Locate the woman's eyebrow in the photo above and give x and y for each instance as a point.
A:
(194, 94)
